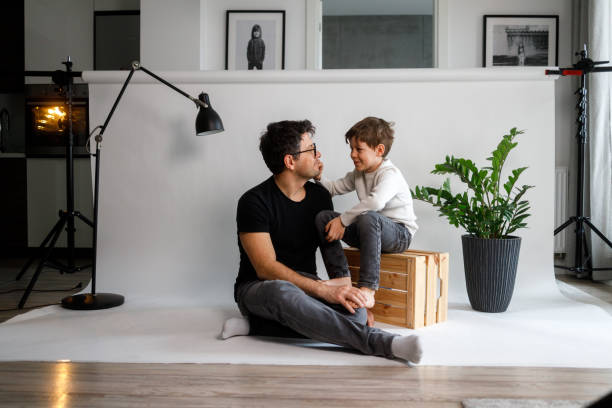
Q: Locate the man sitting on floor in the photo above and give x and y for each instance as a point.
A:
(277, 288)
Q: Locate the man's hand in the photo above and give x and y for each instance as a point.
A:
(343, 282)
(347, 296)
(318, 176)
(334, 229)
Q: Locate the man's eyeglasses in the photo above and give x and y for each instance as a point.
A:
(314, 150)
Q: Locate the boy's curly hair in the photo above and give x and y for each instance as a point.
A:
(372, 131)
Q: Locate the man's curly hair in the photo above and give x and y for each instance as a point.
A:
(280, 139)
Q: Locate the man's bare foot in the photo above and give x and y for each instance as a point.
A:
(338, 281)
(370, 321)
(370, 318)
(369, 294)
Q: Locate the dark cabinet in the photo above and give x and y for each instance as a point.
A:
(13, 204)
(12, 61)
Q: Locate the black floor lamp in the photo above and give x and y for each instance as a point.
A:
(207, 122)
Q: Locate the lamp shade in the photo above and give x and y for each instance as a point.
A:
(208, 121)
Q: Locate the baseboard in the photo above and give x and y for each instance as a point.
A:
(30, 252)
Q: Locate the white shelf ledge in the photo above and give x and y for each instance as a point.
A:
(331, 76)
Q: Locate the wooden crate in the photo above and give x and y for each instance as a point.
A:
(408, 295)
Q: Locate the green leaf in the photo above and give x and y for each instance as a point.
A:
(481, 210)
(446, 186)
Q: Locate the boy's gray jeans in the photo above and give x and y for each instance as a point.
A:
(372, 233)
(280, 309)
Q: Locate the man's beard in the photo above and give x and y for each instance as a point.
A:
(311, 173)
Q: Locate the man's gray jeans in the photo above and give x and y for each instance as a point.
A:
(281, 309)
(372, 233)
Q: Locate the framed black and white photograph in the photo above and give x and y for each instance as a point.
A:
(529, 41)
(255, 40)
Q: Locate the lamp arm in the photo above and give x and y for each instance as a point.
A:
(163, 81)
(136, 66)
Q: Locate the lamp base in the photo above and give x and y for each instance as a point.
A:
(92, 301)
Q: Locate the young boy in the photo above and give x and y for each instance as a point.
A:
(382, 221)
(256, 49)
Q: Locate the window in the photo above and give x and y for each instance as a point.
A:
(381, 34)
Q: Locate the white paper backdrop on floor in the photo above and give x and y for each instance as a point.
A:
(550, 332)
(167, 215)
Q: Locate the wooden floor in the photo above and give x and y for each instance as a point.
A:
(66, 384)
(204, 385)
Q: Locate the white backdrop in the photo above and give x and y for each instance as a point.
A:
(168, 198)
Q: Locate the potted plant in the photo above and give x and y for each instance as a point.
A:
(490, 212)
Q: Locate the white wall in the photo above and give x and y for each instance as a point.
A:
(168, 198)
(55, 29)
(213, 17)
(462, 42)
(170, 34)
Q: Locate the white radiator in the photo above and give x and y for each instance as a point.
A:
(561, 185)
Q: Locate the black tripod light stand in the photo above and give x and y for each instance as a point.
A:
(583, 265)
(65, 79)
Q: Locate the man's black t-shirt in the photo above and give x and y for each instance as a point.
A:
(291, 226)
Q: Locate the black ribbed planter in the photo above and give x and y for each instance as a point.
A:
(490, 271)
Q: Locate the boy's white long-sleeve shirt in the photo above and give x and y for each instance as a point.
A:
(384, 190)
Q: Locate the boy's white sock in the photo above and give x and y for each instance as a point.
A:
(407, 348)
(235, 326)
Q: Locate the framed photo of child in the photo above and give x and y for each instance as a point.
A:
(255, 40)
